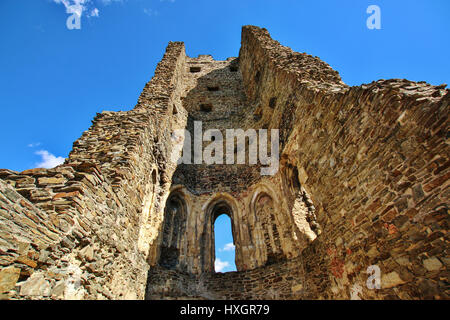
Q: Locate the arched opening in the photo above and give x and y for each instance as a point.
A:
(224, 244)
(175, 215)
(264, 208)
(219, 224)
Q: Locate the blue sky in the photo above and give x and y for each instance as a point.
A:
(224, 245)
(54, 80)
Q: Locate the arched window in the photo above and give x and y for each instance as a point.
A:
(224, 244)
(175, 214)
(265, 211)
(219, 223)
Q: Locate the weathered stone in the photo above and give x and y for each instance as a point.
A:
(8, 278)
(35, 172)
(390, 280)
(27, 261)
(87, 253)
(432, 264)
(36, 285)
(52, 180)
(66, 195)
(58, 290)
(297, 288)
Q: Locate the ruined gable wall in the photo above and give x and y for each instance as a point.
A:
(263, 228)
(374, 161)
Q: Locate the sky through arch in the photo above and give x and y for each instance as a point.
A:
(225, 250)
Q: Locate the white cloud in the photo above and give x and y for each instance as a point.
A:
(78, 7)
(48, 160)
(34, 144)
(228, 247)
(219, 265)
(74, 6)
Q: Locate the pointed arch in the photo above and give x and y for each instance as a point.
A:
(263, 206)
(221, 203)
(173, 230)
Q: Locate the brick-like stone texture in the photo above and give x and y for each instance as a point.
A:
(363, 182)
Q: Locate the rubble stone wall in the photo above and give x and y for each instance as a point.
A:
(281, 280)
(375, 160)
(362, 184)
(88, 229)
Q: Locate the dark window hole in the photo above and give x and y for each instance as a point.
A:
(206, 107)
(257, 76)
(273, 102)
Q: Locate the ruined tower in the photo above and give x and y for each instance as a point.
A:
(362, 185)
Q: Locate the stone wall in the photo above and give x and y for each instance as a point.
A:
(88, 228)
(283, 280)
(374, 159)
(363, 181)
(265, 226)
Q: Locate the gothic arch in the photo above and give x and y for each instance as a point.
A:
(263, 187)
(268, 231)
(221, 203)
(173, 230)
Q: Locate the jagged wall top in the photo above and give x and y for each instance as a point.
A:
(305, 66)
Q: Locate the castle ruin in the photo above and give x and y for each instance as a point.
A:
(362, 182)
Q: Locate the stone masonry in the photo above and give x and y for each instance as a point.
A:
(363, 181)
